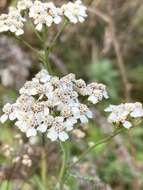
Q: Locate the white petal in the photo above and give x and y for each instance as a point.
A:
(137, 113)
(39, 27)
(89, 114)
(105, 94)
(53, 135)
(12, 28)
(57, 20)
(83, 119)
(12, 116)
(45, 78)
(46, 111)
(81, 19)
(68, 125)
(32, 91)
(19, 32)
(63, 136)
(3, 118)
(31, 132)
(109, 108)
(22, 126)
(93, 99)
(42, 128)
(76, 112)
(113, 118)
(127, 124)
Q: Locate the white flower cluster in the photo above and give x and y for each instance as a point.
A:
(13, 22)
(125, 113)
(42, 14)
(75, 12)
(52, 105)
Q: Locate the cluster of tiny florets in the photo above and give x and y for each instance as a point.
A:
(52, 105)
(12, 22)
(42, 14)
(125, 114)
(75, 12)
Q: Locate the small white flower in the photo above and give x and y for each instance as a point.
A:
(3, 118)
(44, 14)
(31, 132)
(9, 113)
(43, 76)
(138, 111)
(96, 92)
(24, 4)
(75, 12)
(54, 135)
(69, 123)
(13, 22)
(93, 99)
(127, 124)
(42, 128)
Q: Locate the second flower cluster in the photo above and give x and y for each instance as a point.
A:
(41, 14)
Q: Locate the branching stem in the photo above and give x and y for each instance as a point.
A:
(103, 141)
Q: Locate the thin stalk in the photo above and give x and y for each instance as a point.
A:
(44, 163)
(36, 32)
(28, 45)
(8, 185)
(58, 35)
(43, 59)
(63, 166)
(46, 51)
(103, 141)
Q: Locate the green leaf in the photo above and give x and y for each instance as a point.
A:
(6, 185)
(38, 183)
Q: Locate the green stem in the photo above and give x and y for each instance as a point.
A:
(58, 34)
(44, 163)
(36, 32)
(28, 45)
(63, 166)
(46, 51)
(103, 141)
(8, 185)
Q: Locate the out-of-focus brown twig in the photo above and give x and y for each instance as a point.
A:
(109, 19)
(59, 64)
(117, 48)
(100, 14)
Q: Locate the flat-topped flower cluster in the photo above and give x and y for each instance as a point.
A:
(41, 13)
(125, 114)
(53, 105)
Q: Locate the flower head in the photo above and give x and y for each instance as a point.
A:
(24, 4)
(52, 105)
(75, 12)
(41, 13)
(44, 14)
(13, 22)
(124, 113)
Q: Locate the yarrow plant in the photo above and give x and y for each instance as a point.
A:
(51, 105)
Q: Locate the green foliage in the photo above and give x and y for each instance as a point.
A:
(103, 71)
(6, 185)
(37, 183)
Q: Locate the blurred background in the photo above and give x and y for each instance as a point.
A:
(108, 48)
